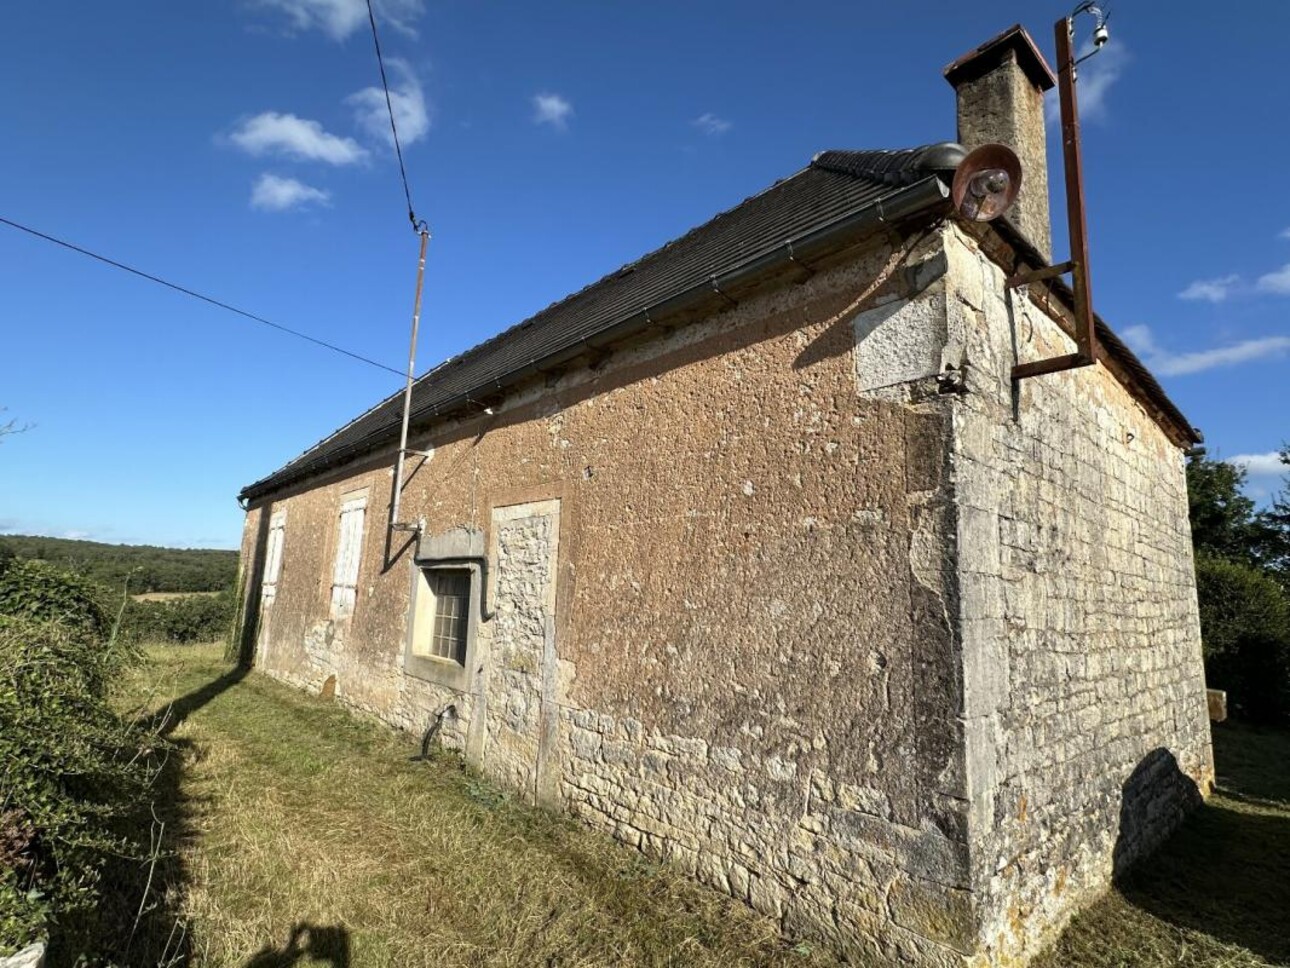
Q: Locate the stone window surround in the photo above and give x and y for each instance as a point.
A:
(449, 551)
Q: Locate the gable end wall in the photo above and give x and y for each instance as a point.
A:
(1087, 731)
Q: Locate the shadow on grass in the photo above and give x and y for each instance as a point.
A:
(1226, 872)
(167, 719)
(321, 945)
(140, 919)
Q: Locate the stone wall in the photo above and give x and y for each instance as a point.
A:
(740, 655)
(1085, 700)
(776, 602)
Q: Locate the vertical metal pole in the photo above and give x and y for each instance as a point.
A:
(395, 523)
(1085, 335)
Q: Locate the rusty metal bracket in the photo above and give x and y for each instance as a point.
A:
(1055, 364)
(1026, 276)
(1081, 288)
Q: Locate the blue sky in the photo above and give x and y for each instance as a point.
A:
(233, 147)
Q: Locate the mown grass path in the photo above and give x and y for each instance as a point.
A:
(307, 836)
(302, 835)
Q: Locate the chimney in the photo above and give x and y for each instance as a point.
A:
(1000, 88)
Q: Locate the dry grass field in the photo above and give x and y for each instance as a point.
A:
(293, 833)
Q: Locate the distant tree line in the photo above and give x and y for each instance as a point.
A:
(1243, 586)
(145, 567)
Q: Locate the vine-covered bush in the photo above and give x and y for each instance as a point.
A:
(42, 592)
(72, 772)
(71, 769)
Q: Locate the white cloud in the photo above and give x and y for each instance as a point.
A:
(1168, 363)
(1211, 290)
(1094, 80)
(340, 18)
(274, 194)
(288, 136)
(406, 98)
(1284, 234)
(551, 109)
(1276, 282)
(1260, 465)
(710, 124)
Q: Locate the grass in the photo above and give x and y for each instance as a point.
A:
(303, 835)
(297, 834)
(1217, 895)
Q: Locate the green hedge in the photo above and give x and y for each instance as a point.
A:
(193, 618)
(74, 776)
(71, 771)
(1245, 627)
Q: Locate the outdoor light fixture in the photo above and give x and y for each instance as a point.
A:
(986, 182)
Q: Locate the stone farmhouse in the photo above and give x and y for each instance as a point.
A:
(754, 554)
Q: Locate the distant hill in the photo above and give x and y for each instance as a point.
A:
(149, 569)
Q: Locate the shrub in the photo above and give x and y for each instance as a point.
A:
(1245, 627)
(71, 770)
(192, 618)
(39, 591)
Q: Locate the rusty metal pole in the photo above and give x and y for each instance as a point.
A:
(1077, 226)
(1075, 210)
(396, 501)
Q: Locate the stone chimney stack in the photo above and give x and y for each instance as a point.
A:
(1000, 88)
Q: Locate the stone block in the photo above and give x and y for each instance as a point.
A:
(1216, 699)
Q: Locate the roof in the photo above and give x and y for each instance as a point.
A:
(835, 186)
(836, 197)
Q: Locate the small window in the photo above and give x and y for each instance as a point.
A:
(442, 622)
(273, 557)
(349, 547)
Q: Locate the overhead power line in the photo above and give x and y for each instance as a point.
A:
(394, 128)
(197, 295)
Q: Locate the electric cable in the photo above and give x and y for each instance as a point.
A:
(394, 128)
(197, 295)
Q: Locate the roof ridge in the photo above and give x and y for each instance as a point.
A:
(893, 166)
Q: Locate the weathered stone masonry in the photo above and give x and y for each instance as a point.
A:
(874, 657)
(1078, 614)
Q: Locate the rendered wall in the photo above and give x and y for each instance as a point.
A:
(1088, 736)
(747, 663)
(880, 659)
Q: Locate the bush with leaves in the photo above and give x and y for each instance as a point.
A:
(41, 592)
(192, 618)
(1245, 627)
(72, 772)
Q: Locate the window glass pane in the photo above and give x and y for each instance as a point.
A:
(443, 625)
